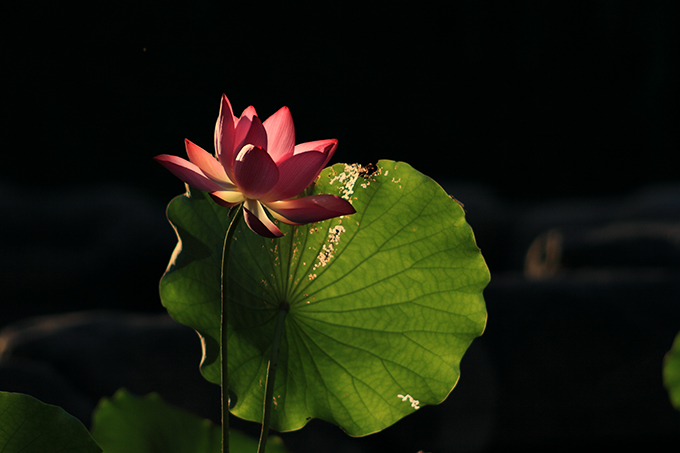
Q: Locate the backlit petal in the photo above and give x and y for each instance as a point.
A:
(280, 134)
(257, 220)
(188, 172)
(227, 198)
(327, 147)
(257, 135)
(255, 173)
(295, 174)
(207, 163)
(243, 126)
(225, 132)
(248, 112)
(310, 209)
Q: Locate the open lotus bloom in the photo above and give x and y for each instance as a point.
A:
(259, 165)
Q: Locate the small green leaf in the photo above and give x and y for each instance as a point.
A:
(28, 425)
(126, 423)
(382, 304)
(671, 372)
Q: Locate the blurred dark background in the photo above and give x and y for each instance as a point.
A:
(530, 97)
(542, 117)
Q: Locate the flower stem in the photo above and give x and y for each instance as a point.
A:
(271, 376)
(228, 237)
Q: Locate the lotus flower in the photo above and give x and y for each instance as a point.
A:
(258, 164)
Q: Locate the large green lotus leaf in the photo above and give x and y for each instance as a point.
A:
(28, 425)
(126, 423)
(382, 304)
(671, 372)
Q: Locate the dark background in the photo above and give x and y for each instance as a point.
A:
(536, 114)
(532, 98)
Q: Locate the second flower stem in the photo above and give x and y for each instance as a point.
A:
(228, 238)
(271, 376)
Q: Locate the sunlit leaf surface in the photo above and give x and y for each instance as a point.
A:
(383, 303)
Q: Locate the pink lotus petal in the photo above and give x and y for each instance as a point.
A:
(310, 209)
(257, 135)
(248, 112)
(242, 127)
(255, 173)
(295, 174)
(328, 147)
(280, 134)
(227, 198)
(188, 172)
(257, 220)
(225, 132)
(207, 163)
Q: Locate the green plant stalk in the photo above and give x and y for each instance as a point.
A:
(271, 376)
(228, 238)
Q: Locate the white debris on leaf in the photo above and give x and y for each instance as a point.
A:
(414, 403)
(347, 178)
(328, 248)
